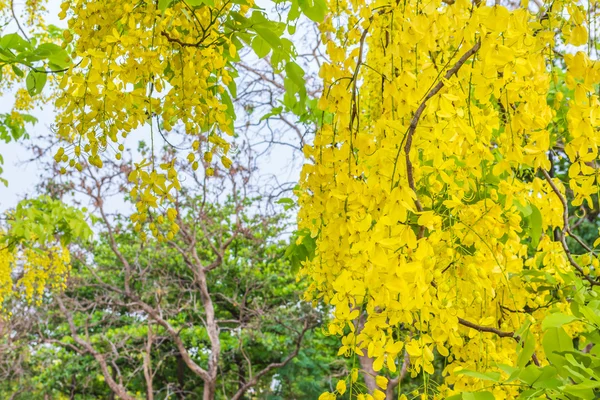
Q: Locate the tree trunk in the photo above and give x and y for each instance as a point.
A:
(366, 364)
(209, 390)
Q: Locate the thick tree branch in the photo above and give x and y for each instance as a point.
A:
(489, 329)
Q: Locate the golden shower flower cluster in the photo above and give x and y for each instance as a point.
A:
(34, 248)
(26, 272)
(151, 65)
(431, 196)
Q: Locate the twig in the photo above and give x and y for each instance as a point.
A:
(12, 10)
(567, 230)
(359, 62)
(498, 332)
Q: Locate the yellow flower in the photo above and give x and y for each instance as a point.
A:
(340, 387)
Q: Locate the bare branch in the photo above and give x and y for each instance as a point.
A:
(254, 380)
(118, 389)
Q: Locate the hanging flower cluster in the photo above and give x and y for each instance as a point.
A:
(439, 226)
(34, 252)
(26, 272)
(151, 65)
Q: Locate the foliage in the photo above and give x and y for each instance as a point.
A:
(43, 220)
(447, 207)
(256, 300)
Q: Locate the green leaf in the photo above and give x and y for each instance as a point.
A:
(554, 341)
(198, 3)
(548, 378)
(527, 347)
(314, 9)
(486, 376)
(295, 85)
(286, 202)
(17, 71)
(54, 54)
(226, 99)
(232, 86)
(6, 55)
(260, 46)
(296, 73)
(266, 29)
(590, 314)
(478, 396)
(524, 210)
(530, 374)
(302, 247)
(583, 390)
(535, 225)
(35, 82)
(294, 11)
(269, 36)
(15, 42)
(46, 50)
(557, 320)
(164, 4)
(273, 112)
(509, 369)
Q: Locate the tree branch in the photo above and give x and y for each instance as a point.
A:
(254, 380)
(567, 230)
(118, 389)
(148, 364)
(489, 329)
(417, 116)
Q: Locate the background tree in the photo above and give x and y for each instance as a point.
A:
(213, 311)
